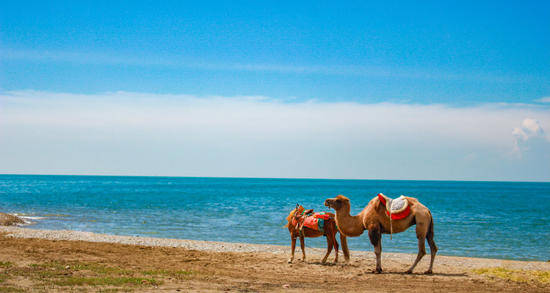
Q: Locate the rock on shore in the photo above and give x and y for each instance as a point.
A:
(10, 220)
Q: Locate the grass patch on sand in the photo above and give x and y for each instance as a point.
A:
(11, 289)
(105, 281)
(99, 269)
(179, 275)
(167, 273)
(4, 265)
(78, 274)
(521, 276)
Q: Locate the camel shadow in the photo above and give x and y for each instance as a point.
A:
(331, 264)
(422, 274)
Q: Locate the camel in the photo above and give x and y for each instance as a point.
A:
(375, 219)
(296, 229)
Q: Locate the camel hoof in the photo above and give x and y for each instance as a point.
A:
(409, 272)
(428, 272)
(290, 260)
(377, 271)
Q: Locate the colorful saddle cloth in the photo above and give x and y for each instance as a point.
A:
(399, 207)
(316, 221)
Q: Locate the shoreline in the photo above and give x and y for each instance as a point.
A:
(237, 247)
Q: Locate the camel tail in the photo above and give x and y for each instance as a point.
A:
(289, 218)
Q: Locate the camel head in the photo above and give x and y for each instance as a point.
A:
(337, 203)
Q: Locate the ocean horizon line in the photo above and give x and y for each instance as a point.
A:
(274, 178)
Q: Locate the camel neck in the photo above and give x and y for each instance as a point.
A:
(348, 224)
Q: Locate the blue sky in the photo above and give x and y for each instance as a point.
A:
(489, 62)
(367, 52)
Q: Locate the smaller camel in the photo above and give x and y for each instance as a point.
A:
(295, 226)
(375, 219)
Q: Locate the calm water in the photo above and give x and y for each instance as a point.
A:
(481, 219)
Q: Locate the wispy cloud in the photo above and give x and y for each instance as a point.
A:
(157, 134)
(182, 62)
(544, 100)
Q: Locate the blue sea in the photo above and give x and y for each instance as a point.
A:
(508, 220)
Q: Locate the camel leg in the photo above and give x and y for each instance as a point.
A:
(375, 237)
(420, 255)
(335, 248)
(292, 248)
(344, 242)
(423, 229)
(378, 252)
(303, 246)
(433, 247)
(329, 248)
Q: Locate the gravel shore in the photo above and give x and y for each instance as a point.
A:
(20, 232)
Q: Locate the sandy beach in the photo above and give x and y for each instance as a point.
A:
(41, 260)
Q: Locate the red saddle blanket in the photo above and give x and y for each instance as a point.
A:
(316, 221)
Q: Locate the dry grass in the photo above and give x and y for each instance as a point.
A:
(521, 276)
(78, 274)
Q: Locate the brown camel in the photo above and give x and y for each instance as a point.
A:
(375, 219)
(296, 229)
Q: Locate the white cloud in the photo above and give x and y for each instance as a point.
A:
(161, 134)
(529, 129)
(544, 100)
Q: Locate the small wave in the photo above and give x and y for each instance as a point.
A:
(29, 220)
(55, 215)
(28, 217)
(32, 218)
